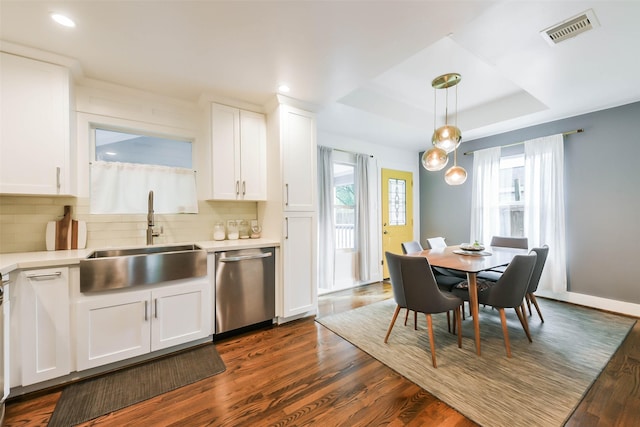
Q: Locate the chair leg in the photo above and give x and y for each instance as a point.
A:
(448, 322)
(456, 322)
(505, 332)
(431, 341)
(535, 303)
(457, 316)
(520, 311)
(395, 316)
(415, 320)
(528, 300)
(406, 316)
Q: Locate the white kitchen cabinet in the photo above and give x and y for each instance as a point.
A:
(238, 149)
(299, 263)
(298, 159)
(112, 327)
(34, 127)
(117, 326)
(289, 214)
(181, 313)
(45, 349)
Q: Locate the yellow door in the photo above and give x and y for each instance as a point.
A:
(397, 212)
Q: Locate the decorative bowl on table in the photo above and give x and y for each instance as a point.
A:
(472, 247)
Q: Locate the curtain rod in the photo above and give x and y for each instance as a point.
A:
(351, 152)
(522, 142)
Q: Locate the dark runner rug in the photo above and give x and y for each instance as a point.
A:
(94, 397)
(539, 386)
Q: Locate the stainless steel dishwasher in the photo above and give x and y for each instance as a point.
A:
(245, 288)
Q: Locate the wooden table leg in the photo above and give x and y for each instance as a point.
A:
(473, 302)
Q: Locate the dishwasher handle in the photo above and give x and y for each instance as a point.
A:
(245, 257)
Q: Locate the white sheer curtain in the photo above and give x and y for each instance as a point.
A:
(485, 195)
(544, 207)
(363, 214)
(123, 188)
(326, 223)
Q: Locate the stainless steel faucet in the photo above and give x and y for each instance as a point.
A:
(151, 233)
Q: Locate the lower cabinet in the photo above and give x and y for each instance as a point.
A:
(117, 326)
(300, 294)
(44, 328)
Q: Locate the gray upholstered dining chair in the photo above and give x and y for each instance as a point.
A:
(542, 253)
(411, 247)
(508, 292)
(438, 242)
(445, 282)
(415, 288)
(504, 242)
(510, 242)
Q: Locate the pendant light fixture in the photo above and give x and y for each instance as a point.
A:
(435, 159)
(455, 175)
(447, 137)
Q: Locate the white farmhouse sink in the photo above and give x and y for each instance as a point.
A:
(122, 268)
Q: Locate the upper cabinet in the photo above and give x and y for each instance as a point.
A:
(238, 149)
(298, 139)
(35, 127)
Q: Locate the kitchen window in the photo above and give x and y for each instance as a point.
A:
(128, 165)
(133, 147)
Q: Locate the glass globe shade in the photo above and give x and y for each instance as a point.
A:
(455, 175)
(447, 137)
(435, 159)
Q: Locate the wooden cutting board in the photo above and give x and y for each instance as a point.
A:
(66, 233)
(64, 230)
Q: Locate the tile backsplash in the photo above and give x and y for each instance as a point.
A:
(23, 221)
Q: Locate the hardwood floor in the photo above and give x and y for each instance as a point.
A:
(302, 374)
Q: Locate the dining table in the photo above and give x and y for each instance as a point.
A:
(471, 262)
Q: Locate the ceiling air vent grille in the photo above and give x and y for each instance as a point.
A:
(570, 28)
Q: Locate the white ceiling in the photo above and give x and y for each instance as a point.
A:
(366, 66)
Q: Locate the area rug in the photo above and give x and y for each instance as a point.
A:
(94, 397)
(540, 385)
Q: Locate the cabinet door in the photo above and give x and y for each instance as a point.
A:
(225, 152)
(299, 264)
(34, 127)
(299, 159)
(181, 313)
(253, 155)
(44, 324)
(110, 328)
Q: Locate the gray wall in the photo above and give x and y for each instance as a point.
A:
(602, 192)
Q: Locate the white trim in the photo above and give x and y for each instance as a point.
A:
(615, 306)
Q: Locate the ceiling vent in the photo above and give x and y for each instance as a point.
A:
(570, 27)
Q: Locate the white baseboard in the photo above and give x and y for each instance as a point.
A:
(615, 306)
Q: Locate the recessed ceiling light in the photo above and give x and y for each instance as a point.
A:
(63, 20)
(283, 88)
(110, 153)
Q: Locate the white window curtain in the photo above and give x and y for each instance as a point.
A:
(326, 223)
(544, 207)
(363, 171)
(485, 195)
(123, 188)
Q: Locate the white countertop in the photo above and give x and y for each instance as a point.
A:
(43, 259)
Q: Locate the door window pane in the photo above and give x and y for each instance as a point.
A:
(397, 201)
